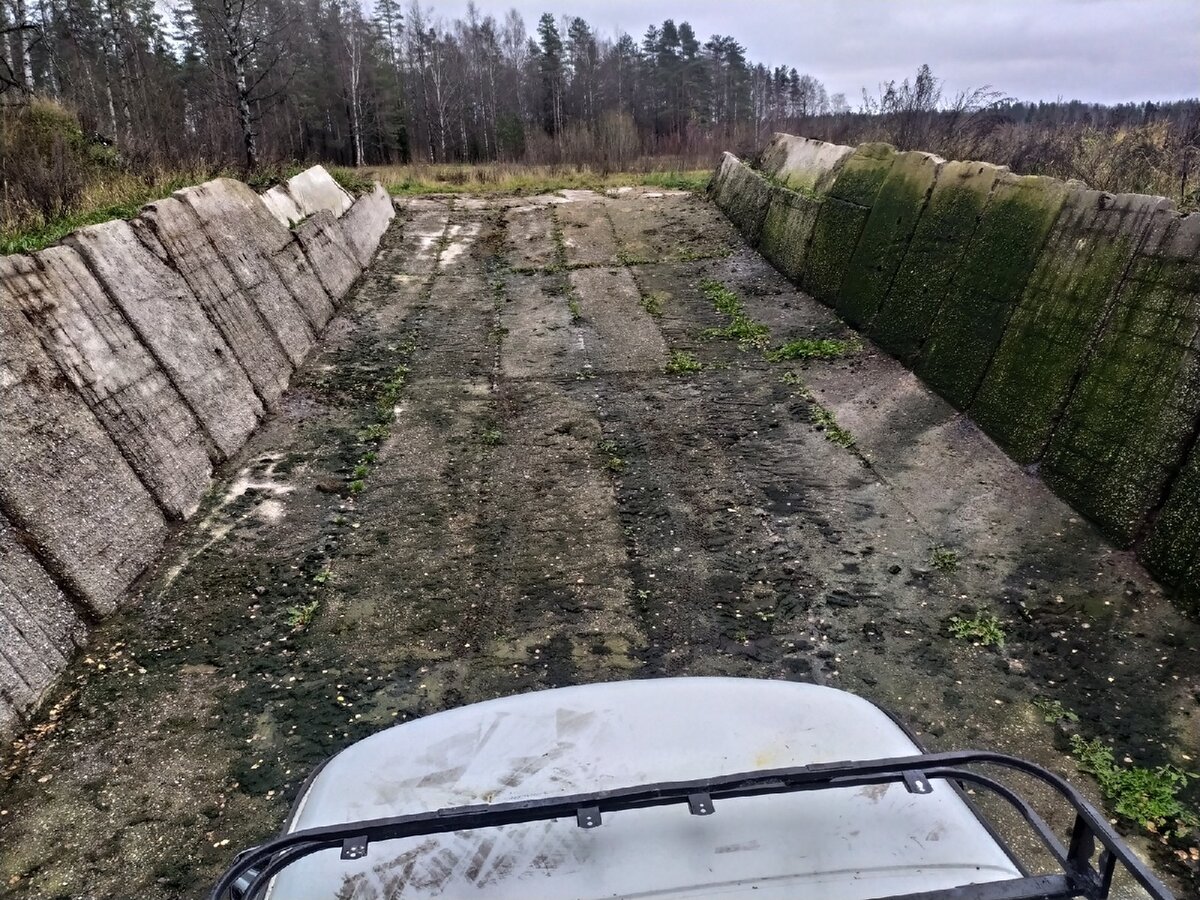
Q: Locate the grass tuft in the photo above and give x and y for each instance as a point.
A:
(982, 629)
(944, 559)
(824, 421)
(682, 363)
(300, 616)
(1053, 710)
(1148, 797)
(812, 348)
(741, 328)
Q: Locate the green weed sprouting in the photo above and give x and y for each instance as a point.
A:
(652, 303)
(982, 629)
(611, 451)
(682, 363)
(1149, 797)
(1053, 710)
(741, 328)
(823, 419)
(299, 616)
(812, 348)
(943, 559)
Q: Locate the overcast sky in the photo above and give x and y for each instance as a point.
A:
(1101, 50)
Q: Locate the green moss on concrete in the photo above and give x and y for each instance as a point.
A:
(743, 195)
(834, 237)
(994, 269)
(787, 229)
(1127, 425)
(885, 236)
(1058, 317)
(803, 164)
(863, 174)
(1172, 549)
(902, 323)
(841, 218)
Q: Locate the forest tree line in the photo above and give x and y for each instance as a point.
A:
(94, 88)
(254, 80)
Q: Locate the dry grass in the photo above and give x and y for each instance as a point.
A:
(512, 178)
(117, 195)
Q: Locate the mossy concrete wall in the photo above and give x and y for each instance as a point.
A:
(886, 234)
(1133, 415)
(803, 164)
(1172, 547)
(1058, 317)
(1065, 320)
(787, 229)
(743, 195)
(989, 281)
(842, 217)
(905, 316)
(136, 355)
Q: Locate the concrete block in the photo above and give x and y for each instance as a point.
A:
(170, 321)
(40, 630)
(249, 323)
(803, 164)
(742, 194)
(842, 217)
(335, 263)
(1059, 315)
(1172, 548)
(266, 260)
(102, 357)
(889, 227)
(315, 190)
(787, 229)
(65, 484)
(1134, 411)
(993, 272)
(282, 205)
(363, 226)
(904, 318)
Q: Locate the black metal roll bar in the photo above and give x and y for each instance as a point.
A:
(253, 869)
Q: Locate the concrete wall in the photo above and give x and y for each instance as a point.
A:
(136, 356)
(1065, 321)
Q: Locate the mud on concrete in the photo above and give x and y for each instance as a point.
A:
(484, 481)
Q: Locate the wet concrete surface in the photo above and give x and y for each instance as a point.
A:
(485, 481)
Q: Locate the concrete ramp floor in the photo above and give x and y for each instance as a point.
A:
(485, 480)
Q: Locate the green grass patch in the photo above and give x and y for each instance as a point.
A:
(491, 437)
(1148, 797)
(741, 328)
(611, 452)
(825, 422)
(944, 559)
(1053, 710)
(682, 363)
(576, 312)
(653, 303)
(812, 348)
(982, 629)
(301, 615)
(355, 181)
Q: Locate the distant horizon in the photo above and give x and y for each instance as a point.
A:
(1093, 51)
